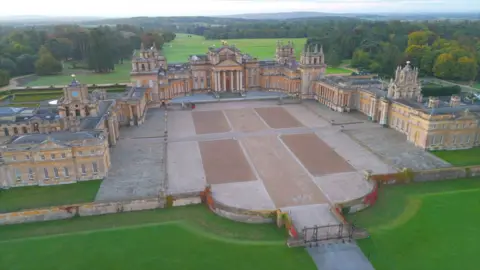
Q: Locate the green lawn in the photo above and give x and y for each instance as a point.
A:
(176, 238)
(15, 199)
(424, 226)
(477, 85)
(32, 98)
(121, 74)
(465, 157)
(183, 46)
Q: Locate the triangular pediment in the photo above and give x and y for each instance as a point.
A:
(228, 63)
(49, 144)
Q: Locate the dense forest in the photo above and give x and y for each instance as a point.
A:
(43, 50)
(442, 48)
(445, 49)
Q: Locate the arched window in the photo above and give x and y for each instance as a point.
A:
(15, 130)
(5, 130)
(24, 130)
(143, 67)
(35, 127)
(314, 61)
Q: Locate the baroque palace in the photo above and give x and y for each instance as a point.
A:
(70, 143)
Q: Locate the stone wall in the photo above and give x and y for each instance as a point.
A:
(87, 209)
(242, 215)
(185, 199)
(428, 175)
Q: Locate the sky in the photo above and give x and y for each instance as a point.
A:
(129, 8)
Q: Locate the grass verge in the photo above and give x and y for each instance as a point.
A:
(20, 198)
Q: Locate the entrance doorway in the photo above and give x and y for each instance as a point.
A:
(228, 86)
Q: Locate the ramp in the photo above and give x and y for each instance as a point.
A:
(339, 256)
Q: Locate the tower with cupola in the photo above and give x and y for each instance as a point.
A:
(406, 84)
(76, 101)
(285, 53)
(312, 67)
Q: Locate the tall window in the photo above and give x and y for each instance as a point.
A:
(63, 155)
(65, 171)
(55, 172)
(15, 130)
(42, 157)
(94, 167)
(84, 171)
(18, 175)
(5, 131)
(52, 156)
(45, 172)
(30, 173)
(24, 130)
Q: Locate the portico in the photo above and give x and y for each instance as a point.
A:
(230, 80)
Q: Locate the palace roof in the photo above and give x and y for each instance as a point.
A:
(63, 136)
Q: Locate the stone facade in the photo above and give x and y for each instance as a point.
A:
(429, 123)
(227, 69)
(70, 143)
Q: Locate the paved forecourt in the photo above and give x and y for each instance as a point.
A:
(259, 155)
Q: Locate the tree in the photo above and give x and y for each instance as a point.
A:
(466, 69)
(360, 59)
(100, 51)
(4, 77)
(61, 48)
(444, 66)
(8, 65)
(26, 64)
(421, 38)
(46, 63)
(332, 58)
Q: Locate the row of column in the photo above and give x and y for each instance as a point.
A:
(236, 80)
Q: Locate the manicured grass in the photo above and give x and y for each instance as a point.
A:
(477, 85)
(15, 199)
(32, 98)
(176, 238)
(338, 70)
(424, 226)
(465, 157)
(183, 46)
(121, 74)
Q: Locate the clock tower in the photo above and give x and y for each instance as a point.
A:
(76, 101)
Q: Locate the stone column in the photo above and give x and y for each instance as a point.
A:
(224, 86)
(241, 80)
(215, 78)
(231, 80)
(237, 76)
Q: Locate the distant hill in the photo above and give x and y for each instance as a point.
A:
(279, 16)
(39, 20)
(378, 16)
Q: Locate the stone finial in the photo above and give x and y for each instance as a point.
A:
(142, 46)
(321, 49)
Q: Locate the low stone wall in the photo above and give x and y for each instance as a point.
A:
(243, 215)
(87, 209)
(236, 213)
(427, 175)
(184, 199)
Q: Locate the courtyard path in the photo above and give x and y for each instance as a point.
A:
(138, 161)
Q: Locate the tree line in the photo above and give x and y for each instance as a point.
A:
(45, 50)
(444, 49)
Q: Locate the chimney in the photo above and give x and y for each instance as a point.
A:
(433, 102)
(455, 100)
